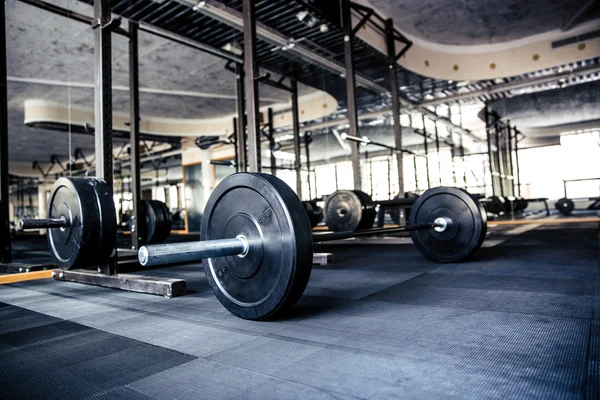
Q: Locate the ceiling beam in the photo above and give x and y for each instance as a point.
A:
(523, 83)
(234, 18)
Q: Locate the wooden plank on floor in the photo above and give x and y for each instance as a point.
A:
(27, 276)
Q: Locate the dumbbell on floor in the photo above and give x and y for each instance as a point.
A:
(257, 253)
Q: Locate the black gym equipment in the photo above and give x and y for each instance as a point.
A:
(396, 206)
(566, 206)
(257, 253)
(81, 222)
(155, 222)
(349, 210)
(462, 224)
(314, 212)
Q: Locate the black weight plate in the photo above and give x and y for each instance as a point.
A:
(483, 216)
(395, 211)
(369, 213)
(75, 200)
(565, 206)
(159, 226)
(147, 223)
(462, 237)
(310, 213)
(168, 223)
(274, 274)
(343, 211)
(163, 226)
(509, 204)
(318, 212)
(108, 218)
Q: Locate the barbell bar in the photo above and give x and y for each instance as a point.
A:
(240, 246)
(43, 223)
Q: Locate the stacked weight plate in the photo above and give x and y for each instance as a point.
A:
(155, 221)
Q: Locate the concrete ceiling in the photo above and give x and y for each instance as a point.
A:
(472, 22)
(47, 52)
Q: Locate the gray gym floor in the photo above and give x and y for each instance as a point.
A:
(520, 320)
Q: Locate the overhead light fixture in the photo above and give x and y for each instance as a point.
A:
(324, 28)
(199, 5)
(233, 48)
(306, 17)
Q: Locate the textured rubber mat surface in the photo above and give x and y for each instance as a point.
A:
(520, 320)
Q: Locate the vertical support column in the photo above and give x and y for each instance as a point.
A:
(462, 147)
(296, 130)
(488, 128)
(103, 105)
(41, 203)
(235, 144)
(517, 173)
(500, 164)
(271, 141)
(5, 242)
(307, 140)
(207, 176)
(509, 163)
(437, 148)
(393, 70)
(351, 90)
(240, 139)
(426, 151)
(251, 87)
(134, 138)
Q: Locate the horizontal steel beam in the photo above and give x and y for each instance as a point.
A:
(513, 85)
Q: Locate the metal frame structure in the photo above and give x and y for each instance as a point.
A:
(134, 121)
(5, 239)
(349, 33)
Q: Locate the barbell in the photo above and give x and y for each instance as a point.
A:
(257, 242)
(81, 223)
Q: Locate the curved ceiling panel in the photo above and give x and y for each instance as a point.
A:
(528, 48)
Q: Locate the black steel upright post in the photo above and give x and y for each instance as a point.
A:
(426, 151)
(307, 140)
(296, 130)
(5, 241)
(437, 148)
(517, 170)
(134, 140)
(508, 141)
(501, 175)
(351, 89)
(462, 147)
(393, 71)
(271, 133)
(488, 129)
(103, 25)
(235, 144)
(251, 87)
(240, 139)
